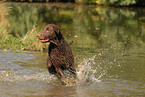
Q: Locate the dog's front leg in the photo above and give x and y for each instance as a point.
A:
(59, 71)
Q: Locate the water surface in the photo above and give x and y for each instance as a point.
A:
(109, 51)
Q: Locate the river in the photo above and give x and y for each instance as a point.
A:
(108, 47)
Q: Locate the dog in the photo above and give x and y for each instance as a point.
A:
(60, 57)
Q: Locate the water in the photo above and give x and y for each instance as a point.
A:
(108, 47)
(24, 73)
(86, 73)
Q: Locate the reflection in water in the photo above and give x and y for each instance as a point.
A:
(107, 41)
(94, 25)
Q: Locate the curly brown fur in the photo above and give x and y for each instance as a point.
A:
(60, 56)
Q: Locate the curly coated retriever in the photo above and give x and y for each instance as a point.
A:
(60, 57)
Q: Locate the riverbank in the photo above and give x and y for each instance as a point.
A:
(86, 25)
(119, 3)
(9, 42)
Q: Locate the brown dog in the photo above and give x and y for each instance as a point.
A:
(60, 57)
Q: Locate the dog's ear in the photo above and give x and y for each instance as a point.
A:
(56, 29)
(50, 28)
(58, 32)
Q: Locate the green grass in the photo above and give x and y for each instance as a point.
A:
(31, 42)
(9, 42)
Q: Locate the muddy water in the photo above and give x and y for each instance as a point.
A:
(109, 52)
(23, 73)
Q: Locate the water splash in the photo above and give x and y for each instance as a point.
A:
(14, 77)
(88, 72)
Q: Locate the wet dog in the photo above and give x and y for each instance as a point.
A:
(60, 59)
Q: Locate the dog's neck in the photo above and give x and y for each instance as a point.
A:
(59, 37)
(57, 41)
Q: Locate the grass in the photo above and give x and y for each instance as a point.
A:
(31, 42)
(6, 40)
(9, 42)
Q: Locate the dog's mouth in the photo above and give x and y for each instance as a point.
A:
(44, 40)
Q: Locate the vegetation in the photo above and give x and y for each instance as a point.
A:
(121, 2)
(31, 42)
(10, 40)
(6, 39)
(102, 2)
(89, 27)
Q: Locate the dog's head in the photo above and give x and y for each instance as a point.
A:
(50, 33)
